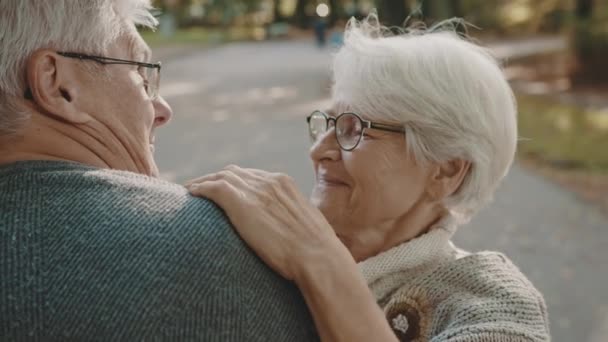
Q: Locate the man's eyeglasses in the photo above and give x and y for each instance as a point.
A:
(151, 71)
(349, 128)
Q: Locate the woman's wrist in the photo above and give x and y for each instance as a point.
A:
(333, 285)
(331, 261)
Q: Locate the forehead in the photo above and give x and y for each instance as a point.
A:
(338, 108)
(130, 46)
(137, 48)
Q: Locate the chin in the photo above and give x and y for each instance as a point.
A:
(154, 173)
(330, 210)
(152, 168)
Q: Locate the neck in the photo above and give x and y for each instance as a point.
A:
(45, 138)
(370, 240)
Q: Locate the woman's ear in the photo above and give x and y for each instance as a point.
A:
(53, 84)
(446, 178)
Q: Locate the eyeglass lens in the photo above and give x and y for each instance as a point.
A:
(153, 78)
(348, 128)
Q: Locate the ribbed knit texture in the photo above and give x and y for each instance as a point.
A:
(432, 291)
(89, 254)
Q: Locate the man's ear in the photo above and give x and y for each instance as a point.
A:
(446, 178)
(53, 83)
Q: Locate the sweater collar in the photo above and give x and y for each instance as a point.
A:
(428, 248)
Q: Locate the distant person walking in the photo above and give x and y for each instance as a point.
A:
(320, 27)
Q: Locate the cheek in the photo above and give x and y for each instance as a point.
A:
(371, 172)
(386, 185)
(136, 110)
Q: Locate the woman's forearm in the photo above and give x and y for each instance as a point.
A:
(341, 304)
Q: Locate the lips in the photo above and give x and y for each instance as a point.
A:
(330, 180)
(151, 143)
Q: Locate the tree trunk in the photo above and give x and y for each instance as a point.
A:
(456, 8)
(300, 18)
(393, 12)
(590, 46)
(333, 14)
(584, 9)
(455, 11)
(427, 9)
(436, 10)
(278, 16)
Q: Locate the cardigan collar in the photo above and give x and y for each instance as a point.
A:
(427, 249)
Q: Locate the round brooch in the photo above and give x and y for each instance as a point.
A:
(410, 319)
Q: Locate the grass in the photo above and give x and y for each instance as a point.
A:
(563, 136)
(202, 36)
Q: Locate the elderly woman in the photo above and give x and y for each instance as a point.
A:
(421, 132)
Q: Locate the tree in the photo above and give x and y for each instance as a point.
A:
(456, 9)
(299, 17)
(584, 9)
(334, 12)
(435, 10)
(278, 15)
(590, 45)
(393, 12)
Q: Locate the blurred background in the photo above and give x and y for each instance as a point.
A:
(241, 76)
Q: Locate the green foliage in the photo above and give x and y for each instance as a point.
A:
(563, 135)
(201, 36)
(215, 12)
(590, 45)
(591, 39)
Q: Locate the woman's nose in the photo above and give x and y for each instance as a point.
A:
(326, 147)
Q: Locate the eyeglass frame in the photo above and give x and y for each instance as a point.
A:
(365, 124)
(153, 94)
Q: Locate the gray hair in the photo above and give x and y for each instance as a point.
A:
(88, 26)
(449, 93)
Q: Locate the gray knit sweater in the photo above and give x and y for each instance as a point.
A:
(91, 254)
(431, 291)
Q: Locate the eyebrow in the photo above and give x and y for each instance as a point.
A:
(330, 112)
(143, 53)
(140, 52)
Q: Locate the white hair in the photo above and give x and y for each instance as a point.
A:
(86, 26)
(449, 93)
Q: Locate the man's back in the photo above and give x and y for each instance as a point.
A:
(91, 254)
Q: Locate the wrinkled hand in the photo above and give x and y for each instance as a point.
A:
(272, 217)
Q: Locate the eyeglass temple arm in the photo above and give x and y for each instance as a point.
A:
(384, 127)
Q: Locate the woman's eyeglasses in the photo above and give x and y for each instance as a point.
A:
(349, 128)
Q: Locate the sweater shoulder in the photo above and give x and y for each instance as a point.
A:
(481, 294)
(105, 195)
(153, 261)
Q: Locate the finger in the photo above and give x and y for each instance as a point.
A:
(281, 180)
(248, 175)
(227, 176)
(213, 176)
(219, 191)
(259, 173)
(223, 194)
(209, 177)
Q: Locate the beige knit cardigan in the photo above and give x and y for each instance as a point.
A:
(431, 291)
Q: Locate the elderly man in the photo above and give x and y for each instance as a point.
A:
(92, 245)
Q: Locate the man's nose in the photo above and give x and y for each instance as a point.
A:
(163, 112)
